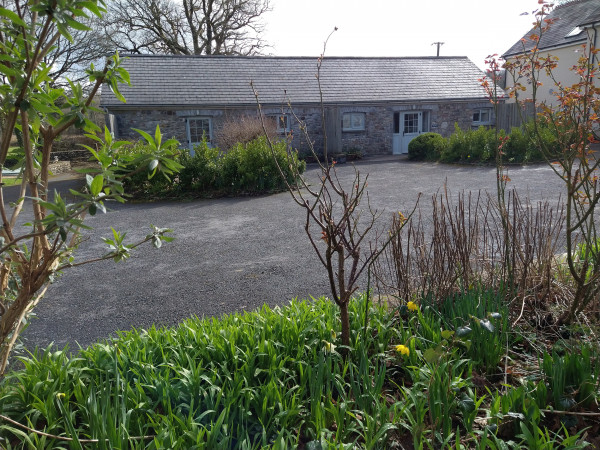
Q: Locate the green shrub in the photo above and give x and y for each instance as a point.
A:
(11, 161)
(257, 169)
(426, 146)
(549, 140)
(202, 171)
(15, 156)
(140, 183)
(245, 168)
(480, 145)
(470, 145)
(515, 148)
(521, 148)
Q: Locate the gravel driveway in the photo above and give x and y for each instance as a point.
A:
(231, 254)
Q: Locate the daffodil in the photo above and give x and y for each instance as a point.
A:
(329, 347)
(402, 349)
(412, 306)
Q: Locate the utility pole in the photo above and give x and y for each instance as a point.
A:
(439, 44)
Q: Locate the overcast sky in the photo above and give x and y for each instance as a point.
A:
(473, 28)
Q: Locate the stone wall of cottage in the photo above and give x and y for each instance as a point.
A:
(375, 139)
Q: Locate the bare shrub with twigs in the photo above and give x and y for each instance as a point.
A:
(464, 247)
(244, 129)
(570, 118)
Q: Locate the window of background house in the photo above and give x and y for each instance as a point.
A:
(199, 127)
(482, 116)
(353, 122)
(283, 123)
(574, 32)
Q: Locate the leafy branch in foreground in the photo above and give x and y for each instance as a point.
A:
(32, 253)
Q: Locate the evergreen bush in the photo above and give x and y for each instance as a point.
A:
(426, 146)
(246, 168)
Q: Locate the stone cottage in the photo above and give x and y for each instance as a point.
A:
(372, 105)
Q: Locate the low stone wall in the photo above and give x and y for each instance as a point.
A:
(60, 167)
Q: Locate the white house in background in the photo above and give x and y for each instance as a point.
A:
(576, 23)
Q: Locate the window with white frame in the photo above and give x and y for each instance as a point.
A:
(353, 122)
(283, 122)
(482, 116)
(199, 128)
(574, 32)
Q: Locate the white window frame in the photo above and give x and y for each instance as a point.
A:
(189, 130)
(362, 122)
(574, 32)
(480, 112)
(278, 119)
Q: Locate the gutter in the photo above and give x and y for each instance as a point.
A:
(594, 26)
(129, 106)
(595, 44)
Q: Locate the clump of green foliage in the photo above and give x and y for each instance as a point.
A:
(14, 156)
(470, 145)
(155, 157)
(246, 168)
(427, 146)
(269, 379)
(277, 378)
(480, 145)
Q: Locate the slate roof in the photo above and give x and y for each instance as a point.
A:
(224, 81)
(567, 16)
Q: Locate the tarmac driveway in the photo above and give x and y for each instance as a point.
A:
(231, 254)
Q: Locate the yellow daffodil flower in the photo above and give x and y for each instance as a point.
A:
(402, 349)
(412, 306)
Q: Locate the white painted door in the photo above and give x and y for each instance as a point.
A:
(397, 144)
(407, 126)
(411, 126)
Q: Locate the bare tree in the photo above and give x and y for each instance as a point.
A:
(69, 60)
(186, 27)
(71, 54)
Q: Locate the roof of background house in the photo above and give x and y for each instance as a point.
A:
(567, 16)
(224, 81)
